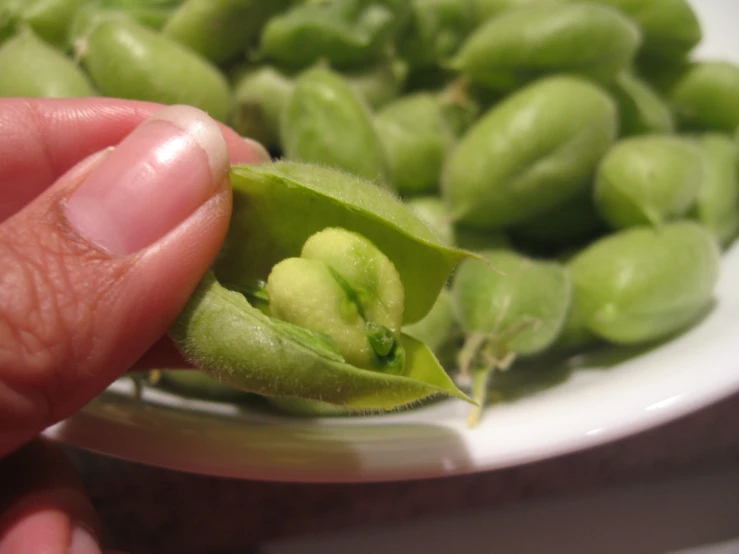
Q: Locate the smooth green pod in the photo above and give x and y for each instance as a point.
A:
(705, 97)
(128, 60)
(378, 84)
(573, 222)
(326, 122)
(221, 30)
(514, 306)
(153, 14)
(670, 28)
(641, 109)
(644, 284)
(417, 139)
(529, 153)
(49, 19)
(648, 180)
(346, 33)
(222, 333)
(575, 334)
(32, 68)
(196, 384)
(436, 31)
(260, 97)
(525, 44)
(717, 204)
(437, 328)
(478, 240)
(432, 211)
(486, 9)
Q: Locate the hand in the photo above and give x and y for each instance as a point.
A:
(100, 248)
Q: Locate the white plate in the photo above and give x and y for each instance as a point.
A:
(592, 406)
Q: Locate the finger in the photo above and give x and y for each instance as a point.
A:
(163, 355)
(49, 136)
(43, 507)
(97, 268)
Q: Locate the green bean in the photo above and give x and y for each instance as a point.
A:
(128, 60)
(516, 307)
(706, 97)
(260, 97)
(326, 122)
(645, 284)
(417, 140)
(223, 334)
(522, 45)
(30, 67)
(221, 30)
(717, 204)
(648, 180)
(437, 29)
(641, 110)
(529, 153)
(347, 33)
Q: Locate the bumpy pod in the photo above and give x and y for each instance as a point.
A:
(416, 138)
(436, 31)
(277, 208)
(717, 203)
(221, 30)
(153, 14)
(705, 97)
(647, 180)
(326, 122)
(529, 153)
(641, 109)
(670, 28)
(516, 307)
(32, 68)
(126, 59)
(346, 33)
(644, 284)
(525, 44)
(260, 97)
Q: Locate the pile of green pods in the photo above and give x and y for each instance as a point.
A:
(459, 186)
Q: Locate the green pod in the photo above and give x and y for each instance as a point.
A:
(378, 84)
(437, 30)
(417, 140)
(437, 328)
(432, 211)
(641, 109)
(277, 208)
(512, 306)
(648, 180)
(573, 222)
(670, 28)
(32, 68)
(717, 204)
(487, 9)
(221, 30)
(525, 44)
(645, 284)
(478, 240)
(326, 122)
(300, 407)
(575, 334)
(196, 384)
(260, 97)
(346, 33)
(50, 19)
(529, 153)
(705, 97)
(128, 60)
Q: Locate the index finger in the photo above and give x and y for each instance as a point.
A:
(40, 139)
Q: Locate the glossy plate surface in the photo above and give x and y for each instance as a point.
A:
(597, 403)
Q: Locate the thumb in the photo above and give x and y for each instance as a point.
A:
(94, 271)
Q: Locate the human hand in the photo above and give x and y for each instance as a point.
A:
(99, 249)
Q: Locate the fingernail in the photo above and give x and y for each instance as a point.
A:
(151, 182)
(261, 155)
(83, 542)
